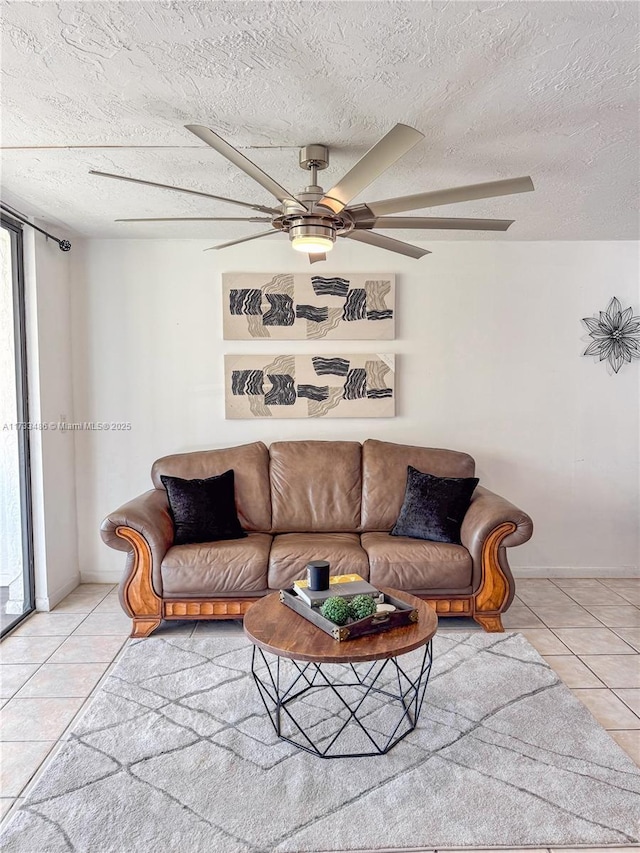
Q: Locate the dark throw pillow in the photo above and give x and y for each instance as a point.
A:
(434, 507)
(203, 510)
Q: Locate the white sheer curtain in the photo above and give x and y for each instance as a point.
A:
(10, 521)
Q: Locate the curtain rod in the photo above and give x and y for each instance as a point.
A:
(65, 245)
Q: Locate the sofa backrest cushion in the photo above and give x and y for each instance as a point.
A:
(250, 464)
(316, 486)
(384, 476)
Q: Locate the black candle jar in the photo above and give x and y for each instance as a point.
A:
(318, 575)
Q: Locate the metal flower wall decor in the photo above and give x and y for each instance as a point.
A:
(616, 335)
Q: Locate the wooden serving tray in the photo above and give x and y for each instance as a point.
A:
(403, 616)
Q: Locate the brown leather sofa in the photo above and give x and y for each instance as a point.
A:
(306, 500)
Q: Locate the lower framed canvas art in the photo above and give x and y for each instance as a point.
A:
(309, 386)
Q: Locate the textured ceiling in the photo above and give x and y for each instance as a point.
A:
(500, 89)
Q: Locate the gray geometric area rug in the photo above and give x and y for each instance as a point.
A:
(176, 752)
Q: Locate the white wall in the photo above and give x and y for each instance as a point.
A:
(488, 347)
(49, 365)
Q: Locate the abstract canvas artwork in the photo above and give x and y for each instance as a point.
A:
(304, 306)
(309, 386)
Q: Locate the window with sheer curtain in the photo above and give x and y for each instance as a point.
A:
(16, 581)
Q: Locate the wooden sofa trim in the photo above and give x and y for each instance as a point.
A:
(493, 593)
(147, 609)
(217, 608)
(137, 595)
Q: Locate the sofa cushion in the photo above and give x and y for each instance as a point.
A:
(415, 564)
(203, 510)
(316, 486)
(290, 553)
(204, 569)
(434, 507)
(384, 476)
(250, 464)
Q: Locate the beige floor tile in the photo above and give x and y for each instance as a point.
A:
(631, 697)
(13, 676)
(104, 624)
(94, 588)
(18, 762)
(608, 710)
(544, 641)
(615, 670)
(629, 635)
(519, 616)
(630, 742)
(64, 679)
(630, 594)
(88, 649)
(625, 616)
(573, 583)
(109, 604)
(565, 616)
(78, 604)
(28, 649)
(49, 625)
(615, 583)
(602, 596)
(5, 805)
(593, 641)
(39, 719)
(534, 583)
(544, 595)
(572, 671)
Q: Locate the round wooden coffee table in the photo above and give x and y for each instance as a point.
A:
(340, 699)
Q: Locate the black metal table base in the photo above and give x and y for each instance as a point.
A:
(342, 710)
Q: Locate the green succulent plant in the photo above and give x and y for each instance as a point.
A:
(336, 610)
(362, 606)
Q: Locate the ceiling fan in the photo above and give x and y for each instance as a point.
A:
(313, 218)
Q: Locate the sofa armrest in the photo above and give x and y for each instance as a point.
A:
(488, 511)
(149, 515)
(144, 528)
(491, 525)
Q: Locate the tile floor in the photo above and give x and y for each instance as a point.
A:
(587, 630)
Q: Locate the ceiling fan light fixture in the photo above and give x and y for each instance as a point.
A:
(312, 245)
(312, 237)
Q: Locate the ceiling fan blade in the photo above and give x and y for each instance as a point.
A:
(491, 189)
(384, 153)
(199, 219)
(454, 224)
(258, 207)
(243, 163)
(318, 256)
(389, 243)
(241, 240)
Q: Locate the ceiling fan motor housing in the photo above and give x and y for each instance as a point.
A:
(312, 226)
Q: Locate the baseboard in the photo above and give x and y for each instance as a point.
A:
(101, 576)
(48, 602)
(576, 572)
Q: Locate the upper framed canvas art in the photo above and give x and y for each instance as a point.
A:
(306, 306)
